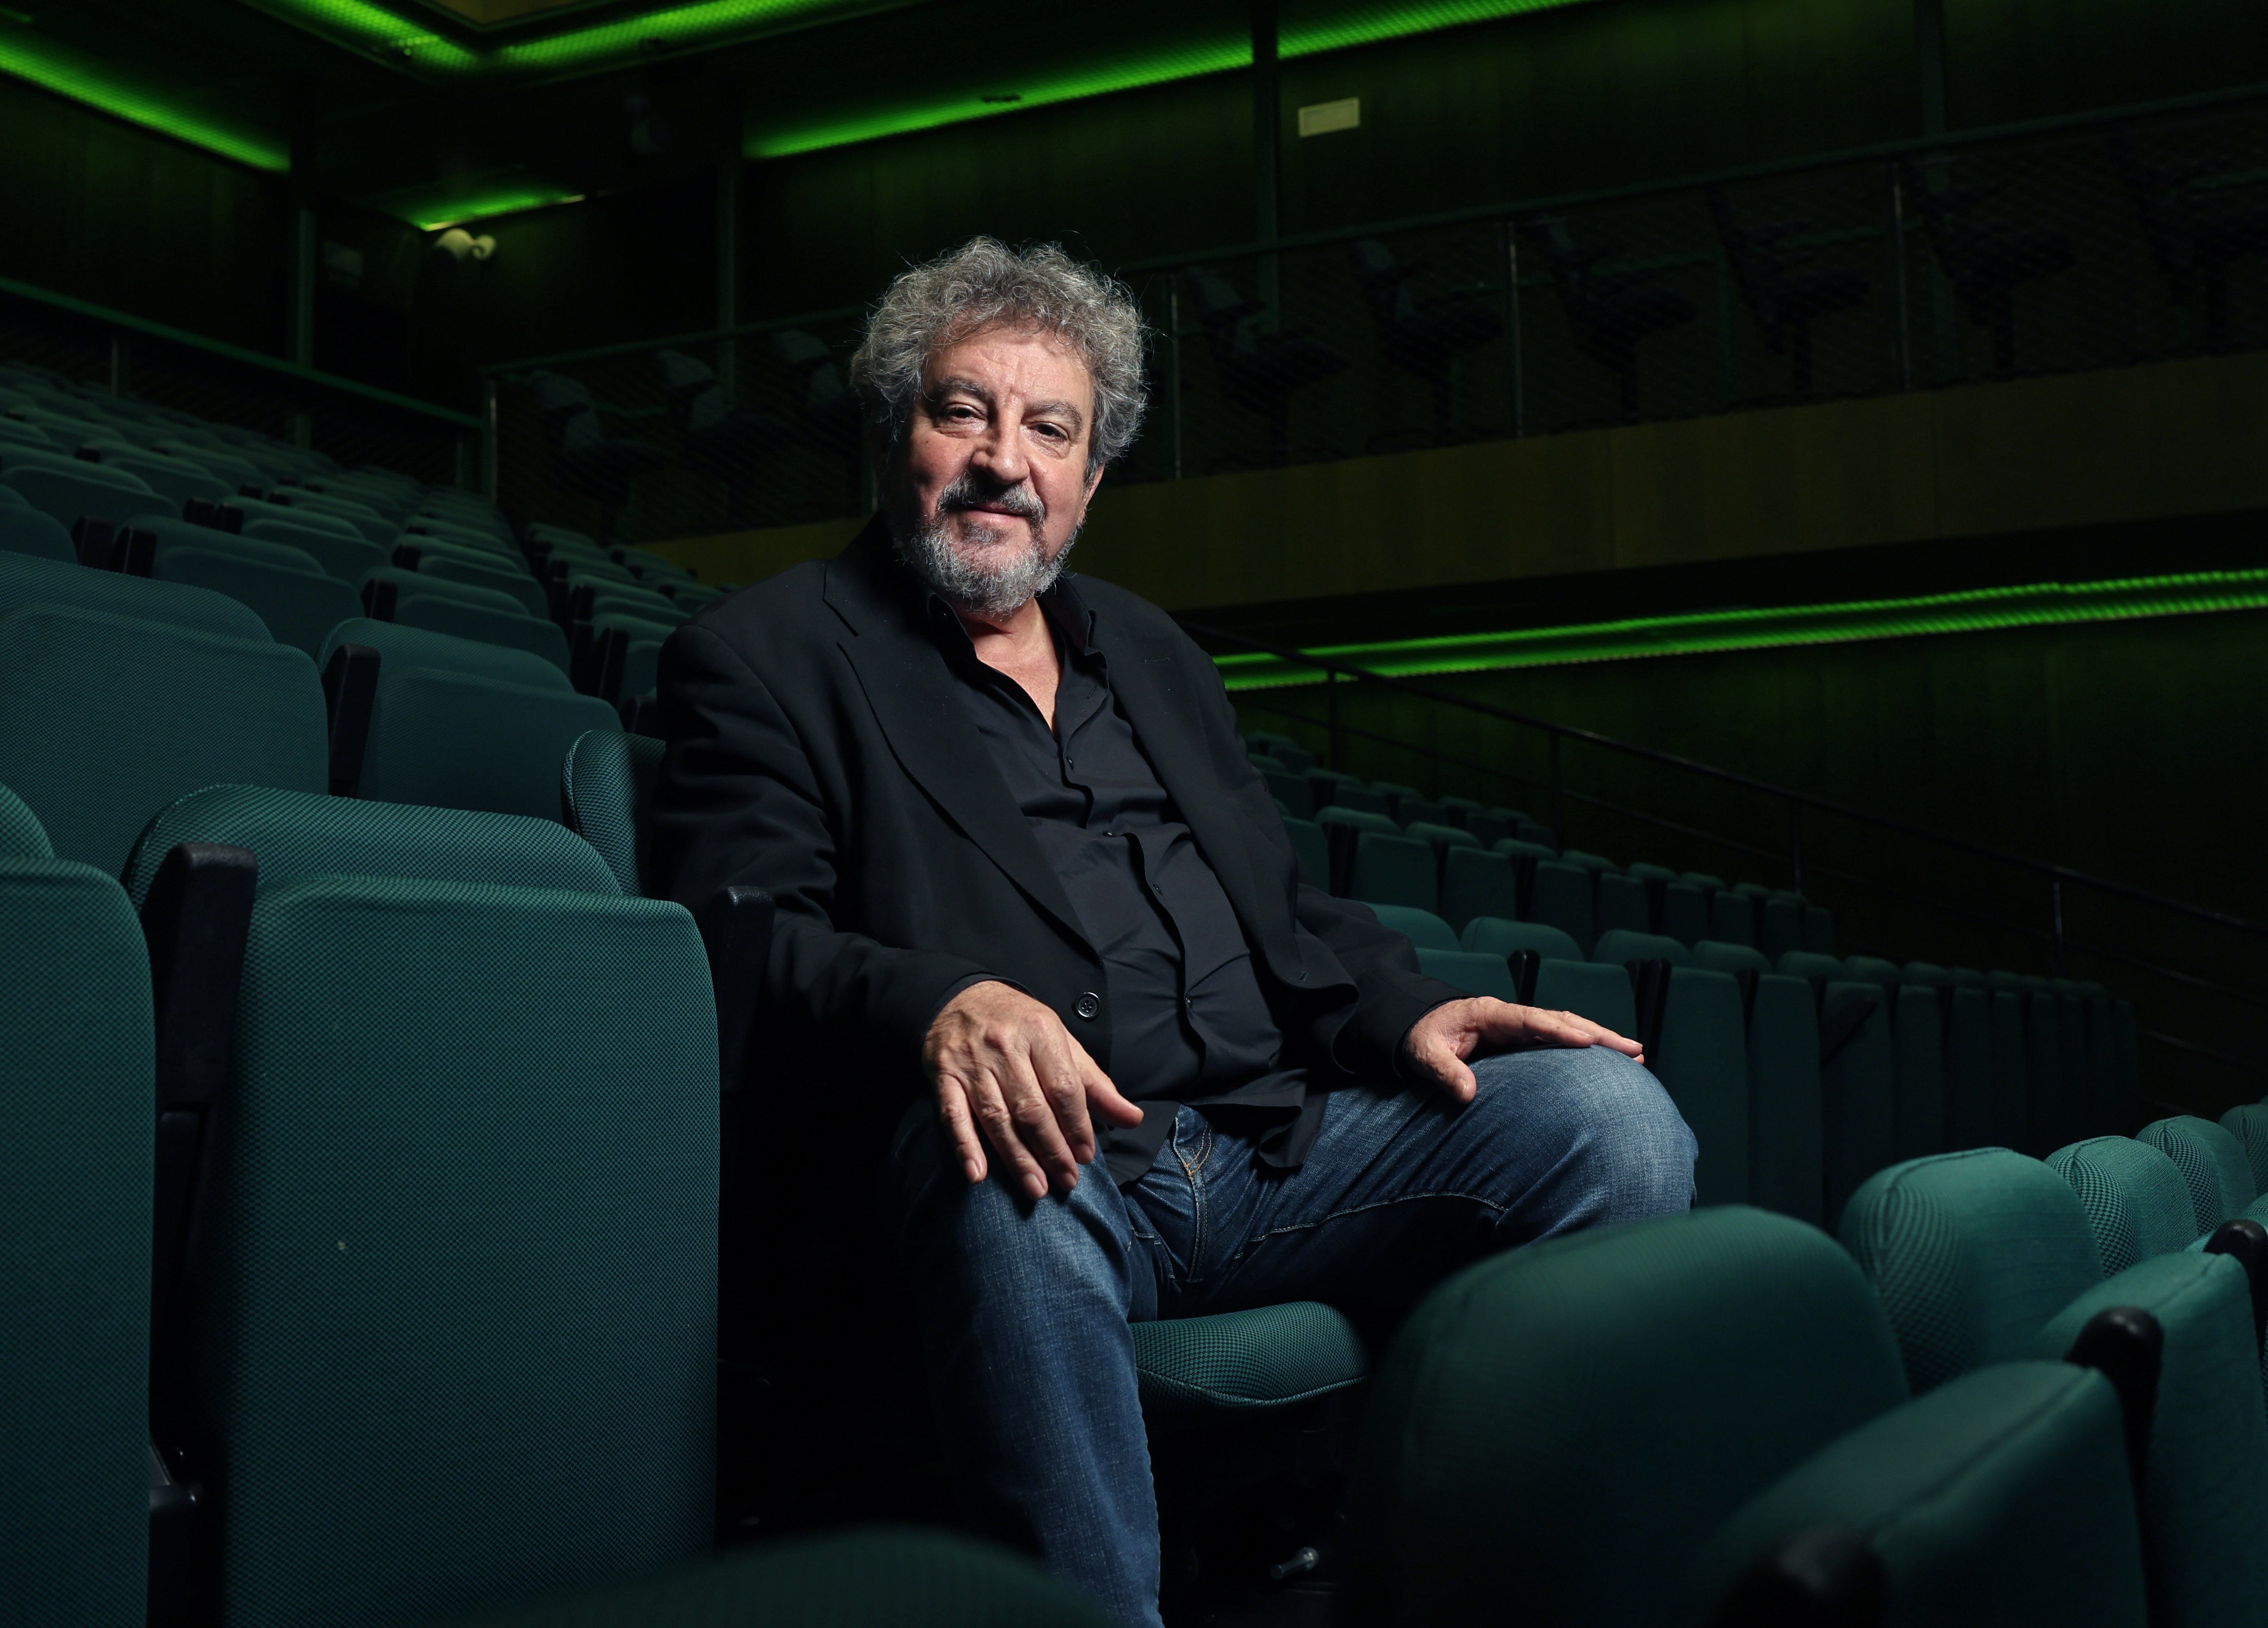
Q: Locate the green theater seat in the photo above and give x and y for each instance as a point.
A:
(1987, 1256)
(870, 1578)
(1619, 946)
(1600, 994)
(178, 480)
(1630, 1465)
(77, 1075)
(104, 719)
(1779, 926)
(1425, 930)
(256, 513)
(2249, 1124)
(1623, 903)
(2002, 1498)
(1475, 883)
(1474, 973)
(604, 782)
(25, 530)
(2213, 1165)
(1701, 1057)
(1394, 870)
(1290, 790)
(455, 1319)
(469, 566)
(294, 833)
(462, 610)
(286, 588)
(1493, 935)
(2137, 1205)
(72, 490)
(349, 555)
(1786, 1126)
(456, 741)
(1203, 1369)
(1733, 918)
(1561, 896)
(1442, 836)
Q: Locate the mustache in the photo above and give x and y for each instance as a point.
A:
(967, 492)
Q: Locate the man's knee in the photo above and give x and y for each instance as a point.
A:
(1627, 1148)
(1052, 1245)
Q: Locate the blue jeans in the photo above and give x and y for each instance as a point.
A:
(1024, 1306)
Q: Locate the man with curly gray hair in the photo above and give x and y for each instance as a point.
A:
(1042, 948)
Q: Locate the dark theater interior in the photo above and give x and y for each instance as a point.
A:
(1595, 961)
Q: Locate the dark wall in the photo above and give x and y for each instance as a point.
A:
(106, 212)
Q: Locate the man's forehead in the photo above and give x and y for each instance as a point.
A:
(1027, 361)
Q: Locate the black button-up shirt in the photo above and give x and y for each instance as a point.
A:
(1187, 1019)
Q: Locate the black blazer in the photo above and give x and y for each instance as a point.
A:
(816, 750)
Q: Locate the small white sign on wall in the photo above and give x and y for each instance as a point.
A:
(1322, 118)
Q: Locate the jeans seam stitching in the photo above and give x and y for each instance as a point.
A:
(1257, 1239)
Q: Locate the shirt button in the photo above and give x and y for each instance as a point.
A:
(1088, 1005)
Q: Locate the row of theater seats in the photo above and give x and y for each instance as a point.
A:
(435, 1042)
(307, 547)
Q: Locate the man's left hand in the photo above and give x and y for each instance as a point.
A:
(1439, 1043)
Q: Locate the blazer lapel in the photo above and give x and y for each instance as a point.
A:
(911, 690)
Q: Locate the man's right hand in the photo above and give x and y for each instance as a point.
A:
(1008, 1073)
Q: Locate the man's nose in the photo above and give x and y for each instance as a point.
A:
(999, 455)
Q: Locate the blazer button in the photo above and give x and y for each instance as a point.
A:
(1089, 1004)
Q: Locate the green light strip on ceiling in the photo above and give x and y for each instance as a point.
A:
(1367, 26)
(68, 73)
(467, 211)
(1979, 610)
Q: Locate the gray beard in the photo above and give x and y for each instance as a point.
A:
(995, 591)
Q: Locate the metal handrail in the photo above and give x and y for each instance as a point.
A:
(221, 347)
(2056, 874)
(1874, 153)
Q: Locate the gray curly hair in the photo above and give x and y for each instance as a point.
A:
(984, 285)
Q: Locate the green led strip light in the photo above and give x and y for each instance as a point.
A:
(1368, 26)
(1980, 610)
(83, 79)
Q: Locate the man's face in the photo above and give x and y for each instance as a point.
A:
(991, 482)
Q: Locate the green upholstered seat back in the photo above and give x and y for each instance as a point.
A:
(2136, 1202)
(104, 719)
(461, 742)
(1566, 896)
(1394, 870)
(874, 1578)
(21, 836)
(294, 833)
(2247, 1122)
(606, 786)
(27, 531)
(1245, 1361)
(2212, 1163)
(349, 559)
(2205, 1493)
(1477, 883)
(28, 581)
(1620, 944)
(1918, 1057)
(2002, 1497)
(1972, 1254)
(398, 647)
(1785, 1129)
(1719, 957)
(1361, 819)
(1469, 970)
(294, 598)
(457, 1303)
(1494, 935)
(76, 1169)
(1564, 1425)
(1591, 990)
(1423, 928)
(1702, 1061)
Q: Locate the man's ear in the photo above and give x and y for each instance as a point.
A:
(1094, 480)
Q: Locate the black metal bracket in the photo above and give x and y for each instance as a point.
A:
(736, 929)
(2247, 1239)
(350, 695)
(2125, 1345)
(195, 922)
(1824, 1577)
(1525, 965)
(1650, 989)
(379, 599)
(407, 555)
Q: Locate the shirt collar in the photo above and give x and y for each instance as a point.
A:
(1067, 613)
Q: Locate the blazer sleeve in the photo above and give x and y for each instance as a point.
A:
(1390, 993)
(737, 802)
